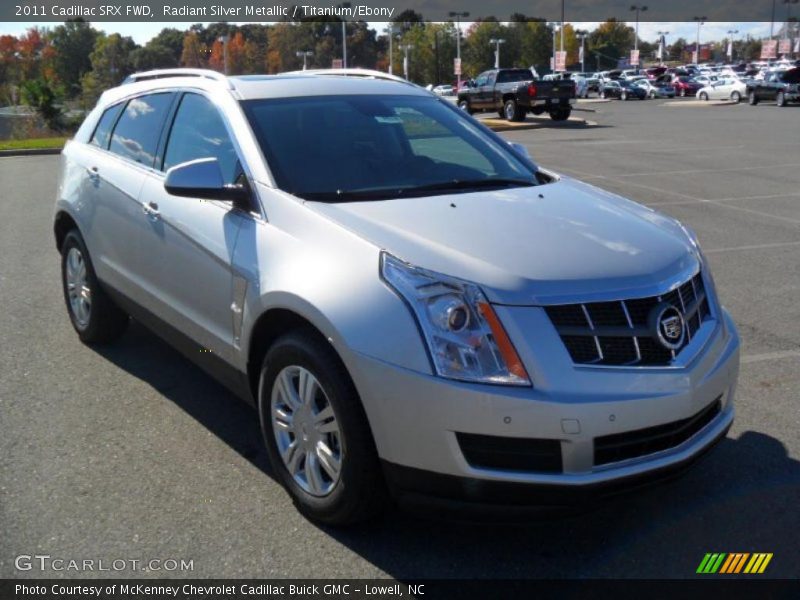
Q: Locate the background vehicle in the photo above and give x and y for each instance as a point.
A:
(781, 87)
(623, 90)
(723, 89)
(685, 85)
(444, 90)
(513, 93)
(656, 90)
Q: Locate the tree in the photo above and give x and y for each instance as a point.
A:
(43, 97)
(611, 41)
(73, 42)
(193, 53)
(677, 49)
(111, 63)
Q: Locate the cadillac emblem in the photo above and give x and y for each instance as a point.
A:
(667, 324)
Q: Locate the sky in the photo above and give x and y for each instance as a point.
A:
(142, 32)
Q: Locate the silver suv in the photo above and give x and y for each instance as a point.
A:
(416, 309)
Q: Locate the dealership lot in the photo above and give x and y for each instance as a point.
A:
(130, 452)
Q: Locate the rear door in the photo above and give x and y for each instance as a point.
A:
(190, 242)
(119, 156)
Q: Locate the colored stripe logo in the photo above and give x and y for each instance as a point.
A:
(734, 563)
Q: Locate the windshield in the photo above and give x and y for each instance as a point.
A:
(373, 147)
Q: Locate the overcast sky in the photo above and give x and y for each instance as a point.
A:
(142, 32)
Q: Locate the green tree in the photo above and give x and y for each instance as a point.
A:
(44, 98)
(73, 42)
(111, 63)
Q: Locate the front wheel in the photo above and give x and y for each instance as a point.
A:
(316, 432)
(464, 105)
(780, 100)
(752, 99)
(623, 96)
(94, 315)
(703, 96)
(513, 112)
(736, 97)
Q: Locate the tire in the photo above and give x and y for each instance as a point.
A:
(736, 97)
(683, 93)
(560, 114)
(752, 99)
(652, 95)
(780, 99)
(93, 314)
(603, 95)
(501, 114)
(623, 96)
(464, 105)
(358, 491)
(704, 97)
(512, 111)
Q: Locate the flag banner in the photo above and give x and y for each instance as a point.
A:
(785, 46)
(561, 60)
(769, 49)
(635, 57)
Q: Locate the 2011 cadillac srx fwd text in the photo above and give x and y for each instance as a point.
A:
(416, 309)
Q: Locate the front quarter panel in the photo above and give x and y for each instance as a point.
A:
(303, 262)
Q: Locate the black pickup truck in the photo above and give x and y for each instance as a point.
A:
(780, 87)
(513, 93)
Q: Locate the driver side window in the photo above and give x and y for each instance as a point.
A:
(199, 132)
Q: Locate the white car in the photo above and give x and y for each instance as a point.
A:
(444, 90)
(723, 89)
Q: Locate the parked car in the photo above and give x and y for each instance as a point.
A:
(513, 93)
(444, 90)
(656, 90)
(781, 87)
(685, 86)
(723, 89)
(412, 305)
(623, 90)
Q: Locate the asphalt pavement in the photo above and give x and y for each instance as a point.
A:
(131, 452)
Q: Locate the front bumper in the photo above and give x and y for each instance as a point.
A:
(415, 418)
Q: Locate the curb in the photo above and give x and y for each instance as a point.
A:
(500, 125)
(30, 152)
(696, 102)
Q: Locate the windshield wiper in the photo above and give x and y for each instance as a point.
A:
(470, 184)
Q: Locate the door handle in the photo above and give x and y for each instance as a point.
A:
(151, 210)
(94, 173)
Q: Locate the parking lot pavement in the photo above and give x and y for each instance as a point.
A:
(131, 452)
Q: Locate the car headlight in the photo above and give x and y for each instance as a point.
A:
(464, 336)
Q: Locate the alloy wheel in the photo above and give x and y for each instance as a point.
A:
(78, 290)
(306, 431)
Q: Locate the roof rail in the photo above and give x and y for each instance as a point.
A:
(350, 72)
(164, 73)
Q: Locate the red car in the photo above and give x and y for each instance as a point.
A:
(685, 86)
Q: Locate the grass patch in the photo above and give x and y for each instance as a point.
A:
(54, 142)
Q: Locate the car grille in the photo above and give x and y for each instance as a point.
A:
(511, 454)
(620, 332)
(632, 444)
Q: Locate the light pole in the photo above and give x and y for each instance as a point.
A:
(561, 48)
(458, 16)
(405, 48)
(223, 39)
(700, 21)
(391, 29)
(305, 54)
(555, 30)
(345, 6)
(662, 45)
(731, 33)
(582, 35)
(788, 4)
(497, 42)
(638, 8)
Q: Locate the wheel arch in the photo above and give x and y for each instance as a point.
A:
(62, 225)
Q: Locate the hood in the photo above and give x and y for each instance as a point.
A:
(562, 242)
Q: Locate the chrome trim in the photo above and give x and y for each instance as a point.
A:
(591, 328)
(630, 324)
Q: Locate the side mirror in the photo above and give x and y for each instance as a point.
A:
(202, 178)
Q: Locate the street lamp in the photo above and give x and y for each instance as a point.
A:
(305, 54)
(582, 35)
(344, 6)
(223, 39)
(555, 30)
(405, 48)
(497, 42)
(638, 8)
(700, 21)
(391, 30)
(458, 16)
(662, 45)
(731, 33)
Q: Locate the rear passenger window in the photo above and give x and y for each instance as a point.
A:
(139, 128)
(102, 134)
(199, 132)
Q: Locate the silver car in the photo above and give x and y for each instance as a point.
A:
(415, 308)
